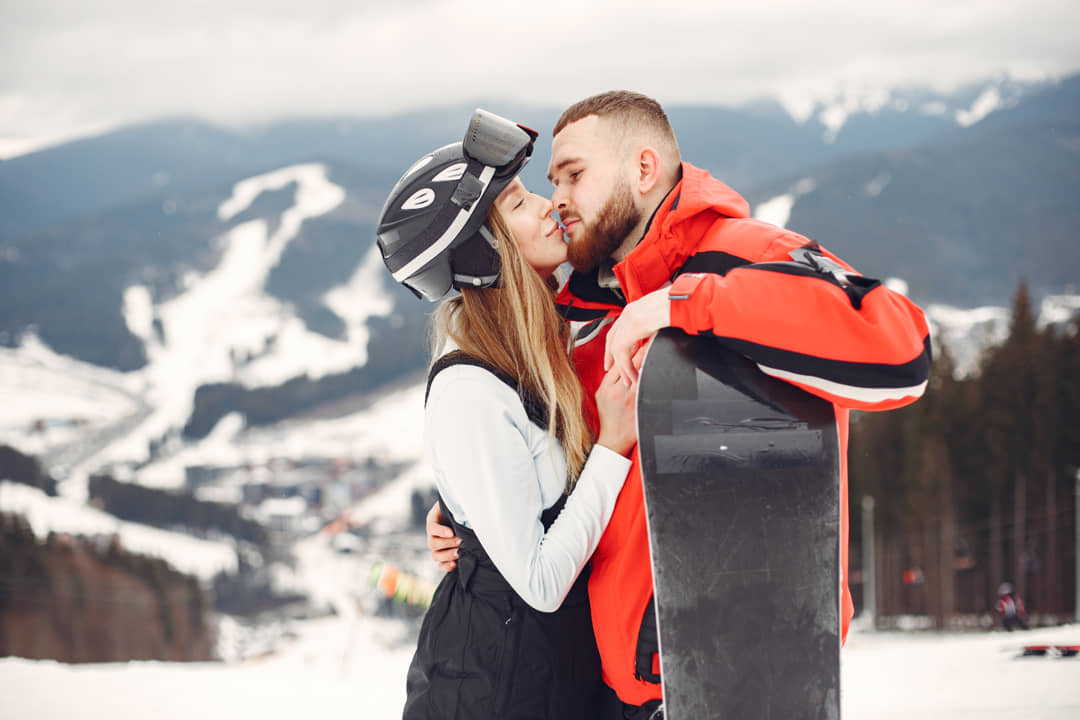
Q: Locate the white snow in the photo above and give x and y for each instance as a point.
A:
(887, 676)
(777, 210)
(877, 184)
(360, 298)
(291, 509)
(833, 118)
(986, 103)
(217, 448)
(50, 399)
(345, 665)
(799, 105)
(389, 430)
(388, 507)
(897, 285)
(333, 670)
(836, 111)
(968, 332)
(139, 312)
(191, 555)
(1057, 309)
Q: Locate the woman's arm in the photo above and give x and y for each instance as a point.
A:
(477, 438)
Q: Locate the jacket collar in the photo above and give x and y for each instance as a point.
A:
(675, 229)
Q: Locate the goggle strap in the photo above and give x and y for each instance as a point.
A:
(475, 280)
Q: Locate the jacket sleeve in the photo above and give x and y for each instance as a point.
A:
(806, 317)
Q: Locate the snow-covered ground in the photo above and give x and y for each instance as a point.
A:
(889, 676)
(356, 667)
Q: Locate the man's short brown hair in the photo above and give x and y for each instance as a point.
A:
(630, 111)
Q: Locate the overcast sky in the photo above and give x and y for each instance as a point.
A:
(72, 66)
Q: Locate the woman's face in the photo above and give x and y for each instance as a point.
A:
(537, 234)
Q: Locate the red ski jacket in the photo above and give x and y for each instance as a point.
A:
(778, 298)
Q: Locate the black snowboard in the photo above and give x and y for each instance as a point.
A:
(742, 494)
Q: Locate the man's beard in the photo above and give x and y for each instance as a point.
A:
(604, 236)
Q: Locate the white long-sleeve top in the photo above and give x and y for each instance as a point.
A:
(497, 471)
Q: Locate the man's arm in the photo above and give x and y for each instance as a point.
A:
(803, 316)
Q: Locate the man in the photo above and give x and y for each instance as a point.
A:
(657, 242)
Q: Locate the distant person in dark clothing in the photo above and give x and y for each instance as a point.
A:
(1010, 608)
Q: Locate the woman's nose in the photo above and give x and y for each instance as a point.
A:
(546, 207)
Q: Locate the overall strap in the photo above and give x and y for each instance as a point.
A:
(534, 407)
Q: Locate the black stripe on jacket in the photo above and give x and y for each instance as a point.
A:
(855, 286)
(711, 261)
(854, 374)
(575, 313)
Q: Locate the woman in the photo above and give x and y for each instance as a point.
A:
(527, 490)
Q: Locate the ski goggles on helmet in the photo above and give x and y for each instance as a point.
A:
(498, 142)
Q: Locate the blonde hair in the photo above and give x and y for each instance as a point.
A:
(515, 328)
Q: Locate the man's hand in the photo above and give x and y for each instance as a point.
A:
(638, 321)
(441, 540)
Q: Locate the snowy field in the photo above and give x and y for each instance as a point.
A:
(347, 668)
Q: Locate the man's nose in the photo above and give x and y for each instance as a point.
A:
(558, 198)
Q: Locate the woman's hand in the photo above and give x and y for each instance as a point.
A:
(615, 402)
(441, 540)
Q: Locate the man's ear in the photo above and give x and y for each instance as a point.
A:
(648, 169)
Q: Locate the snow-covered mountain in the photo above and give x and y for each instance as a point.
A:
(907, 115)
(221, 325)
(969, 332)
(963, 215)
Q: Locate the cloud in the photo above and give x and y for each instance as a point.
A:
(71, 64)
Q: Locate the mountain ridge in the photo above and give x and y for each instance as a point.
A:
(68, 281)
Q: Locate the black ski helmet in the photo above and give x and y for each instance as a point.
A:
(432, 230)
